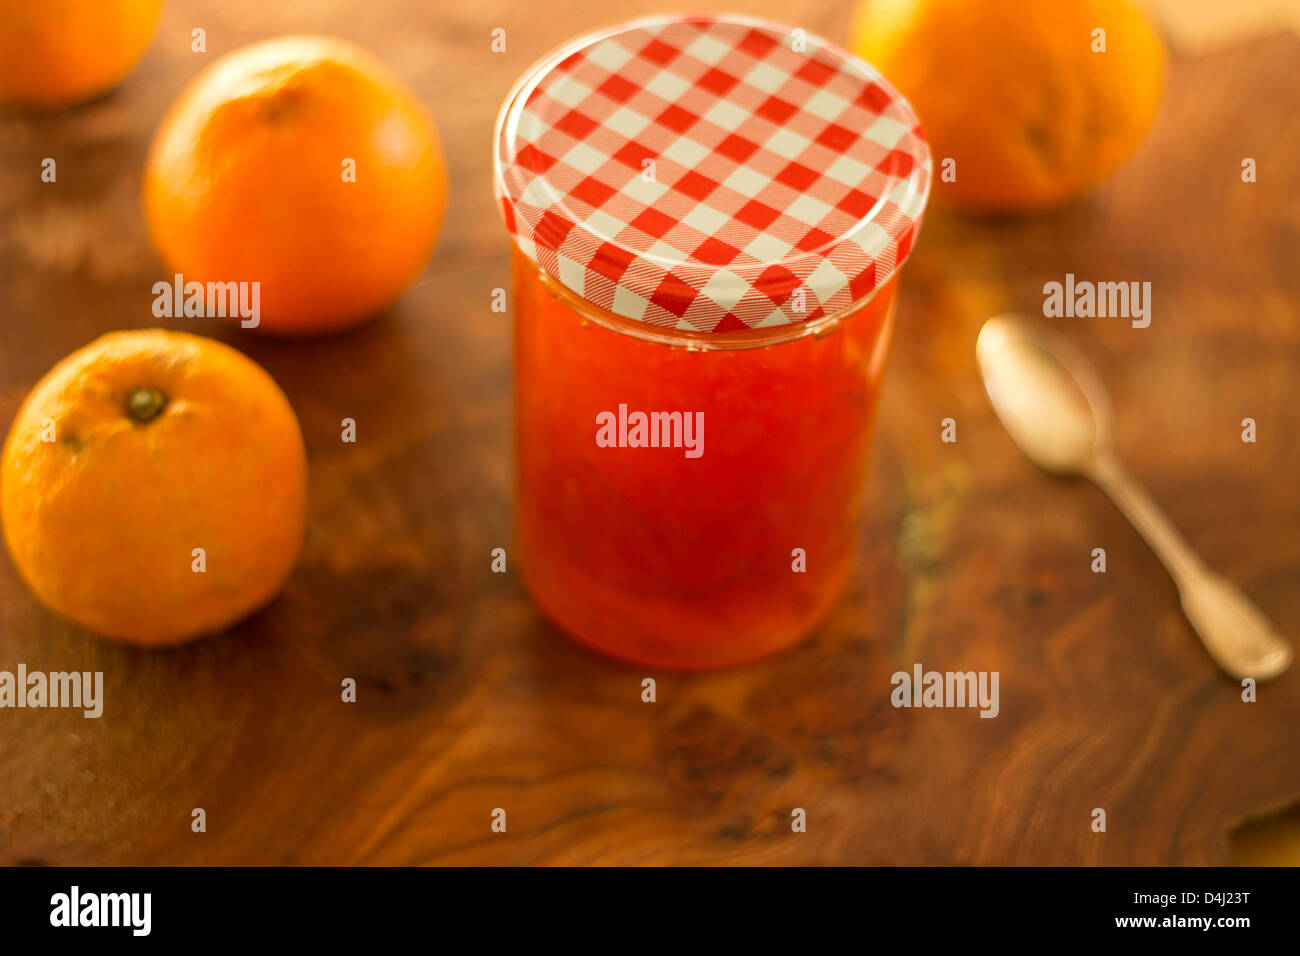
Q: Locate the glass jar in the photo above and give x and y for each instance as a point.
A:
(686, 497)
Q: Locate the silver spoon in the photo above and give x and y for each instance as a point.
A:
(1057, 412)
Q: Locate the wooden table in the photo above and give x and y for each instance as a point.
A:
(468, 701)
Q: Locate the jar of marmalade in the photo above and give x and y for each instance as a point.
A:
(709, 215)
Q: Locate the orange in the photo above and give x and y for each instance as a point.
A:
(162, 443)
(1013, 92)
(58, 52)
(248, 180)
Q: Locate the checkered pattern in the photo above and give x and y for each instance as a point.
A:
(702, 174)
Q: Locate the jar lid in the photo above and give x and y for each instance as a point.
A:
(711, 174)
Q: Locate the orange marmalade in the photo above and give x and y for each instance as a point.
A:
(708, 226)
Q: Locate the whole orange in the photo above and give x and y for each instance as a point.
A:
(59, 52)
(1016, 98)
(153, 487)
(304, 164)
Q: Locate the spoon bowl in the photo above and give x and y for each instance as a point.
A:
(1046, 395)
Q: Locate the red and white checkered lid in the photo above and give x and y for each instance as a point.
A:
(711, 174)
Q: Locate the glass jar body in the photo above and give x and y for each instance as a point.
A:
(723, 525)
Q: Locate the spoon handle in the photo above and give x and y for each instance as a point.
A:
(1231, 627)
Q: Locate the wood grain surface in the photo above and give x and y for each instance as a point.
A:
(468, 700)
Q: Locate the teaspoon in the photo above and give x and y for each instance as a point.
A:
(1057, 412)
